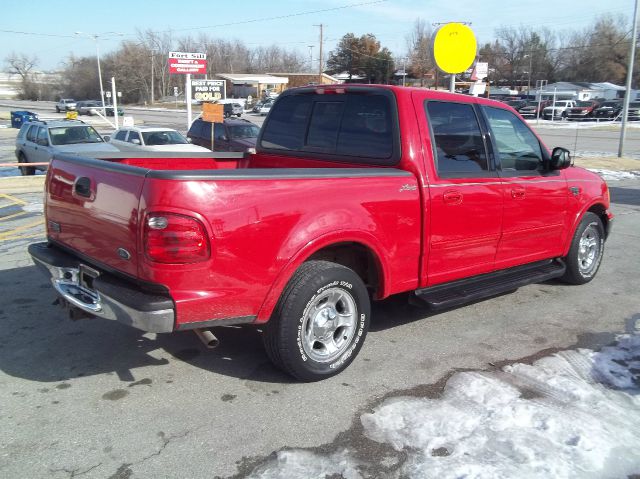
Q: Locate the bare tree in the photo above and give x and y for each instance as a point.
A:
(24, 66)
(419, 41)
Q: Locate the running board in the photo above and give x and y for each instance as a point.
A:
(471, 289)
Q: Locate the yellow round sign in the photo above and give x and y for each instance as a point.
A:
(454, 47)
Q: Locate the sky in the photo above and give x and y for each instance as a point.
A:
(46, 28)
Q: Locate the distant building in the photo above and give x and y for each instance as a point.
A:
(242, 85)
(304, 79)
(580, 91)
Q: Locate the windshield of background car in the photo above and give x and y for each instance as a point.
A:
(243, 131)
(634, 104)
(69, 135)
(584, 103)
(168, 137)
(344, 125)
(610, 104)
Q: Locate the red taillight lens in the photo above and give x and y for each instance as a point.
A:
(171, 238)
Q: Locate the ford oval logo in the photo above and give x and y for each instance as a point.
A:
(124, 254)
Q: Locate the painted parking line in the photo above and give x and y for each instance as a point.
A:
(13, 199)
(7, 235)
(8, 217)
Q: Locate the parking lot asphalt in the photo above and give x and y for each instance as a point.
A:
(97, 399)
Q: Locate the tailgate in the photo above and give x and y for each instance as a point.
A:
(91, 206)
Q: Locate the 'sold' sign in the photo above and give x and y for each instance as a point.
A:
(183, 63)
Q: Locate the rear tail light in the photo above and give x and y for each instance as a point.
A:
(172, 238)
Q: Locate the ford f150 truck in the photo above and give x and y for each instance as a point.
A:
(354, 193)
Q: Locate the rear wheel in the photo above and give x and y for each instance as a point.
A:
(25, 170)
(585, 253)
(320, 322)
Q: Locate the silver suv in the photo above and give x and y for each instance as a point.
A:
(66, 104)
(38, 141)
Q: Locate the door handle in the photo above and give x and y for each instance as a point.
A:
(82, 187)
(517, 193)
(452, 197)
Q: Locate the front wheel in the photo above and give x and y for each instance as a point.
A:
(320, 322)
(586, 251)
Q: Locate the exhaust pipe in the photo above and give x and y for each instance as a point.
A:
(207, 337)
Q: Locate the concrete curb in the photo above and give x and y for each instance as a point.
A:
(22, 184)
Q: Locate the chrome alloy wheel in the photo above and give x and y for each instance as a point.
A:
(589, 250)
(329, 324)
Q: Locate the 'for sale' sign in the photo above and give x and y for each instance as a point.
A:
(183, 62)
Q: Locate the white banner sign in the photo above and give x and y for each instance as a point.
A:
(188, 56)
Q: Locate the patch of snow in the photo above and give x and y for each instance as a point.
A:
(572, 414)
(611, 175)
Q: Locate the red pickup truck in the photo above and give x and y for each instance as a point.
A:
(354, 193)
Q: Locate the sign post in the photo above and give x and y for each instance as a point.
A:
(213, 113)
(185, 64)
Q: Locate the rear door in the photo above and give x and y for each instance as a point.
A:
(465, 208)
(535, 200)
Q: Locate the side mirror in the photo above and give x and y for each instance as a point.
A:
(135, 141)
(106, 138)
(560, 158)
(189, 140)
(222, 138)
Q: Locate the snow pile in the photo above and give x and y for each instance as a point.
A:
(611, 175)
(573, 414)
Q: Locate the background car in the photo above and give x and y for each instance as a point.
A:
(232, 135)
(559, 110)
(265, 108)
(147, 138)
(533, 109)
(608, 110)
(38, 141)
(517, 105)
(583, 110)
(88, 107)
(65, 104)
(231, 109)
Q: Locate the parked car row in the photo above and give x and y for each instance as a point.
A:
(85, 107)
(574, 110)
(39, 140)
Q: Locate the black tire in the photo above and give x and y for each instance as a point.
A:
(584, 259)
(290, 336)
(25, 170)
(57, 110)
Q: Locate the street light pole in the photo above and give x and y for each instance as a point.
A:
(95, 37)
(627, 94)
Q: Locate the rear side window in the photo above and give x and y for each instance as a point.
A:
(23, 130)
(121, 135)
(458, 143)
(340, 127)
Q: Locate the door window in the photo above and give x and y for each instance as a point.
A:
(457, 139)
(218, 131)
(133, 135)
(42, 136)
(518, 148)
(32, 134)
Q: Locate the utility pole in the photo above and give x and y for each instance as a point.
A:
(627, 95)
(320, 61)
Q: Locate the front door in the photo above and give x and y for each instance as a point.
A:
(535, 199)
(464, 213)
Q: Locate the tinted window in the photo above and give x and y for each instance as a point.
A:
(518, 148)
(167, 137)
(243, 131)
(74, 134)
(457, 138)
(121, 135)
(287, 123)
(218, 130)
(344, 125)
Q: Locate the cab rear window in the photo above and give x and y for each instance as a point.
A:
(358, 128)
